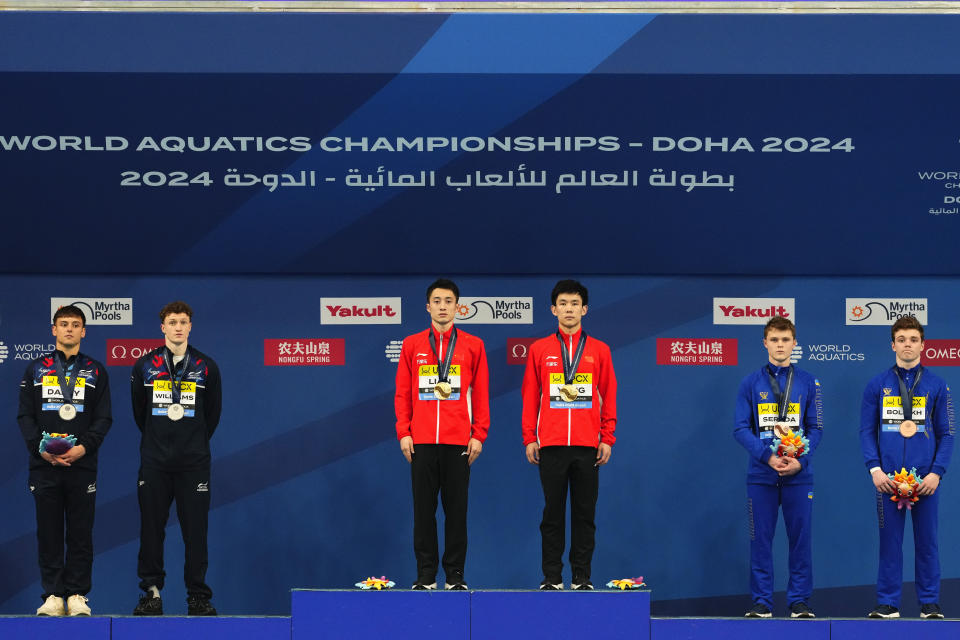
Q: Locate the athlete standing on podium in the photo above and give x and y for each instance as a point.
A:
(906, 422)
(65, 393)
(443, 416)
(777, 398)
(569, 418)
(176, 403)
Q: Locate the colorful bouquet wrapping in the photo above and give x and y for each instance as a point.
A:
(57, 444)
(791, 445)
(907, 484)
(627, 583)
(376, 583)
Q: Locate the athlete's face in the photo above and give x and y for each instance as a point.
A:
(442, 307)
(176, 328)
(569, 310)
(779, 346)
(908, 345)
(68, 332)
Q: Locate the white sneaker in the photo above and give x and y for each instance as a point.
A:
(77, 606)
(52, 607)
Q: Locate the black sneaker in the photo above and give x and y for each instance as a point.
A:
(584, 585)
(424, 586)
(759, 610)
(550, 585)
(799, 609)
(885, 611)
(200, 606)
(149, 605)
(455, 581)
(931, 610)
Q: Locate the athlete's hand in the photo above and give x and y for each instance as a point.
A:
(406, 447)
(72, 454)
(49, 458)
(776, 463)
(604, 452)
(533, 453)
(884, 484)
(928, 485)
(474, 447)
(791, 467)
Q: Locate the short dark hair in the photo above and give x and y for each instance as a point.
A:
(443, 283)
(568, 286)
(177, 306)
(779, 323)
(904, 323)
(70, 311)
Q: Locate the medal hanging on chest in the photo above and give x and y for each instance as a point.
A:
(175, 410)
(908, 428)
(67, 411)
(568, 390)
(443, 388)
(781, 429)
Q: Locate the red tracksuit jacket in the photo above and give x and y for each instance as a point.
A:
(466, 413)
(591, 418)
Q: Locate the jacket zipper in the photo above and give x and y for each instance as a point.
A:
(569, 411)
(439, 357)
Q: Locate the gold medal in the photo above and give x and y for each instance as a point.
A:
(780, 430)
(908, 428)
(442, 390)
(568, 393)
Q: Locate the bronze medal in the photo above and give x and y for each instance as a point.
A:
(442, 390)
(908, 428)
(780, 430)
(569, 393)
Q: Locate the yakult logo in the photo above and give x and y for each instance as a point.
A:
(125, 353)
(752, 310)
(359, 310)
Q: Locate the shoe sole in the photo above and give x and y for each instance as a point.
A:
(758, 615)
(883, 616)
(934, 616)
(802, 615)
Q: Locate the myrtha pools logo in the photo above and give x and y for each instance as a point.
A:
(495, 310)
(884, 311)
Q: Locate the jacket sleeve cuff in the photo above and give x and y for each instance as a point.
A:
(939, 470)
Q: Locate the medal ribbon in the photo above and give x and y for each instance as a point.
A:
(570, 366)
(443, 368)
(906, 397)
(61, 370)
(175, 382)
(783, 401)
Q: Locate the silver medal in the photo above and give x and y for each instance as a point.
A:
(68, 412)
(175, 411)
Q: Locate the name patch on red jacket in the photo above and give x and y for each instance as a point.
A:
(428, 379)
(583, 382)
